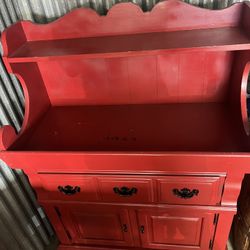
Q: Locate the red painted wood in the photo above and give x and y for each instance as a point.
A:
(137, 127)
(144, 186)
(65, 247)
(175, 229)
(243, 98)
(7, 137)
(154, 189)
(51, 182)
(223, 230)
(234, 165)
(155, 101)
(129, 19)
(209, 188)
(246, 18)
(173, 213)
(97, 225)
(56, 221)
(104, 81)
(13, 43)
(168, 79)
(34, 90)
(132, 45)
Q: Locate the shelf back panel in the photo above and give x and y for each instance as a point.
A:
(171, 78)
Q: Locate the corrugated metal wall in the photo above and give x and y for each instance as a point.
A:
(44, 11)
(23, 224)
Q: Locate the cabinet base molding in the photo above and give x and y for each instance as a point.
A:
(65, 247)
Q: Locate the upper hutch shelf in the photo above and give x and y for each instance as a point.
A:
(225, 39)
(172, 79)
(127, 31)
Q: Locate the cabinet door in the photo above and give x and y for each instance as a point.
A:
(97, 225)
(175, 228)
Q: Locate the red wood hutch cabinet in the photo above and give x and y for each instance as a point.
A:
(135, 133)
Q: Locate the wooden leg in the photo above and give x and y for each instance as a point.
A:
(55, 221)
(223, 229)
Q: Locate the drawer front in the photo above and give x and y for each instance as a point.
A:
(190, 190)
(67, 187)
(126, 189)
(187, 190)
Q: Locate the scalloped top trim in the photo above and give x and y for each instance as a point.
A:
(122, 19)
(133, 8)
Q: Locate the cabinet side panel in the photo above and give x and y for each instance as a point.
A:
(13, 38)
(36, 97)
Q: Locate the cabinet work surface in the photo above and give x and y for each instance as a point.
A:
(136, 132)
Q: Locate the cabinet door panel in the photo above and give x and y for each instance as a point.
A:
(175, 228)
(97, 225)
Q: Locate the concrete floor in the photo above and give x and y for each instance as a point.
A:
(229, 246)
(54, 245)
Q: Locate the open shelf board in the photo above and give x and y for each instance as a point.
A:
(171, 127)
(225, 39)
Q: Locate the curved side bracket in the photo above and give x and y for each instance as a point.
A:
(36, 101)
(7, 137)
(13, 38)
(243, 98)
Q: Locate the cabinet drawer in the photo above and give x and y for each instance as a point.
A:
(67, 187)
(126, 189)
(190, 190)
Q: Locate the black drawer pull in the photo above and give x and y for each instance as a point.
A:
(124, 228)
(185, 193)
(69, 190)
(125, 191)
(142, 229)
